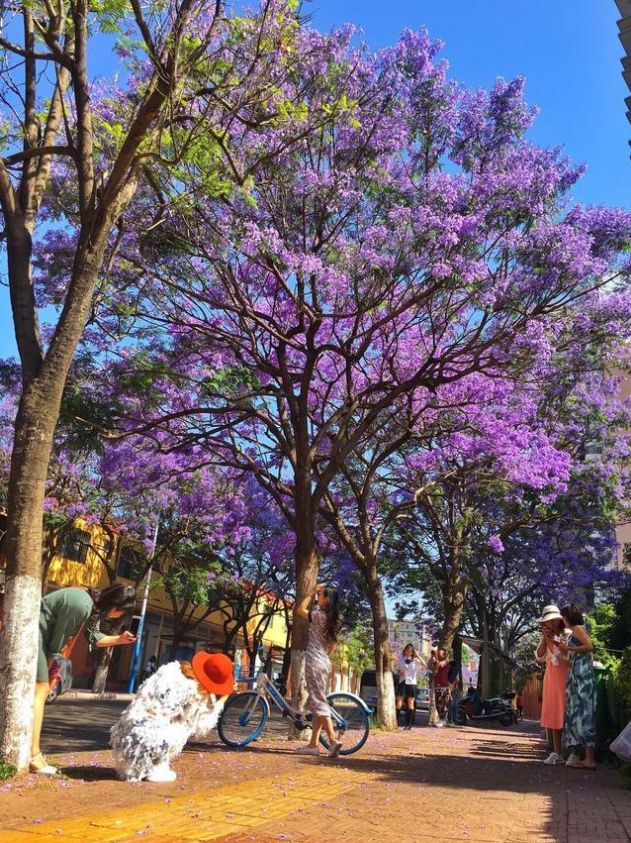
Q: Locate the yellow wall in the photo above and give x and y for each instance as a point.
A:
(89, 574)
(276, 632)
(93, 574)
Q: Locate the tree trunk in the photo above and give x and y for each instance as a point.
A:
(44, 376)
(485, 661)
(177, 639)
(109, 626)
(453, 606)
(386, 709)
(34, 429)
(307, 565)
(100, 677)
(43, 383)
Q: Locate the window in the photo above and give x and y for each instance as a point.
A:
(130, 563)
(75, 545)
(106, 547)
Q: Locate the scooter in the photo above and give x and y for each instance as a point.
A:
(472, 709)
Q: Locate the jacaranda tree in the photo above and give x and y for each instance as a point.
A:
(393, 234)
(361, 270)
(73, 155)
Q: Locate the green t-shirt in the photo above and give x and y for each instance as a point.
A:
(61, 616)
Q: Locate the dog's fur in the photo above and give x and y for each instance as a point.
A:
(168, 709)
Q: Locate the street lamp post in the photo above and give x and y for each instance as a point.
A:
(135, 658)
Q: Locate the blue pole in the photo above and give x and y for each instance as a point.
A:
(135, 658)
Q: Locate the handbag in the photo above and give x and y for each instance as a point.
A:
(622, 744)
(54, 670)
(66, 650)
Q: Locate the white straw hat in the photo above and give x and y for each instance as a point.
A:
(550, 613)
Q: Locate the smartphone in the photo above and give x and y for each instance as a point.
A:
(135, 623)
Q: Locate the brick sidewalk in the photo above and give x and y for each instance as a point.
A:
(429, 785)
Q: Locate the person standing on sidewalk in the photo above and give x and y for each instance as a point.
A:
(407, 669)
(439, 664)
(554, 679)
(456, 695)
(579, 726)
(150, 667)
(321, 610)
(63, 614)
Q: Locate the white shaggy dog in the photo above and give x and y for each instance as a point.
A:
(169, 708)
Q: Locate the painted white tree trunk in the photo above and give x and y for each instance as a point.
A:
(387, 711)
(298, 685)
(18, 646)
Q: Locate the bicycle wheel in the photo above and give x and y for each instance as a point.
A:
(243, 719)
(350, 720)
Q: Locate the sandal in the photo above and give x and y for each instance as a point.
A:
(581, 766)
(334, 749)
(44, 769)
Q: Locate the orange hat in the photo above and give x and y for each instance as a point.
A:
(214, 671)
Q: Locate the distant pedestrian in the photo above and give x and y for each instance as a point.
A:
(555, 677)
(439, 664)
(579, 726)
(63, 615)
(407, 670)
(456, 698)
(321, 610)
(151, 666)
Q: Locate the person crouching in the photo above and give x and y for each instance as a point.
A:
(179, 700)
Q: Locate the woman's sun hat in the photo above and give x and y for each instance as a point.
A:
(214, 671)
(550, 613)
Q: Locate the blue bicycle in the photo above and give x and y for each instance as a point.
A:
(244, 716)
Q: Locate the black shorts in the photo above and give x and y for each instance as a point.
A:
(406, 690)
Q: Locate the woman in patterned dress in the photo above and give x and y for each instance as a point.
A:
(579, 727)
(320, 608)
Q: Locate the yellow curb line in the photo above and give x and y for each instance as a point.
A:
(205, 815)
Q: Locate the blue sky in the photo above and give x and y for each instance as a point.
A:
(568, 50)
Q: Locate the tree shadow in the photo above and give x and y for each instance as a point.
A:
(79, 726)
(89, 773)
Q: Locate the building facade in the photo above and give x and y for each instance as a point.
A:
(412, 632)
(624, 34)
(95, 556)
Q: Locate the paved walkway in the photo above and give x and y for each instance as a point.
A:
(428, 785)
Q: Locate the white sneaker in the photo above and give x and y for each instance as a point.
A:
(307, 750)
(439, 724)
(162, 773)
(572, 760)
(554, 758)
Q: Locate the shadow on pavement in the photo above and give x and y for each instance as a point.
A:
(79, 725)
(89, 773)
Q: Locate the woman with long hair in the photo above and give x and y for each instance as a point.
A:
(554, 679)
(63, 614)
(579, 725)
(407, 669)
(321, 610)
